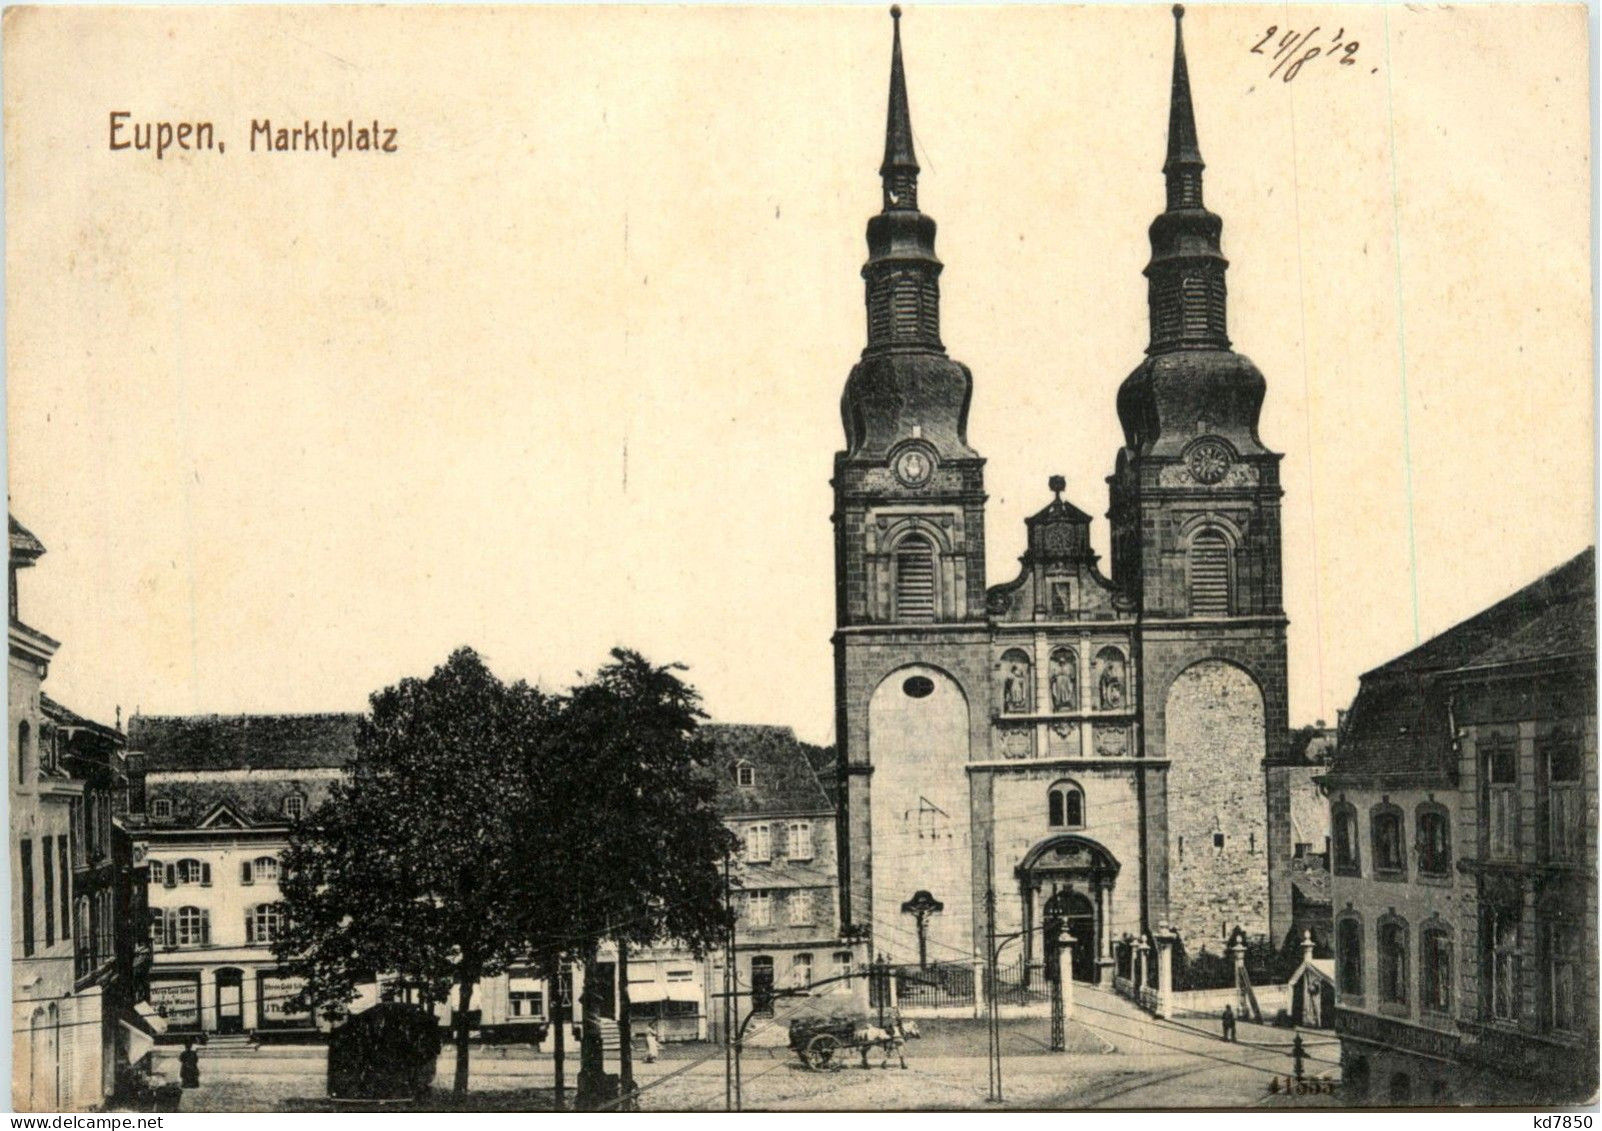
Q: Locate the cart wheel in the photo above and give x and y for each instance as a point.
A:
(820, 1051)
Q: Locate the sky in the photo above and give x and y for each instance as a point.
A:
(563, 371)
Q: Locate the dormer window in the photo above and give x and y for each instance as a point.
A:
(744, 774)
(294, 806)
(161, 809)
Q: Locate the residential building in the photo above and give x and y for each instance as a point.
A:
(1463, 811)
(111, 957)
(787, 931)
(213, 800)
(75, 974)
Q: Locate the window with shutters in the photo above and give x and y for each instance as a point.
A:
(1434, 840)
(1564, 977)
(263, 924)
(47, 857)
(1435, 970)
(1501, 799)
(191, 926)
(189, 872)
(158, 925)
(1385, 827)
(1565, 801)
(1209, 574)
(1503, 963)
(25, 862)
(1343, 818)
(66, 886)
(157, 872)
(1393, 961)
(1349, 957)
(915, 579)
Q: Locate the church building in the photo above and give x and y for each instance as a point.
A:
(1095, 745)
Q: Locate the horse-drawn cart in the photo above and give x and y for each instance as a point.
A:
(824, 1042)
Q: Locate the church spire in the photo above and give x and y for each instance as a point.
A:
(1184, 165)
(902, 272)
(1186, 273)
(900, 168)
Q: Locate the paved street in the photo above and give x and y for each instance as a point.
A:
(1118, 1058)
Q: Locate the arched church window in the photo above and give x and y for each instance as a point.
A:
(1065, 806)
(1209, 574)
(1017, 683)
(915, 579)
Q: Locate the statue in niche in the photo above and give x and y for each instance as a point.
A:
(1015, 682)
(1064, 681)
(1016, 688)
(1111, 684)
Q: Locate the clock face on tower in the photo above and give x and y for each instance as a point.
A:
(1209, 461)
(914, 467)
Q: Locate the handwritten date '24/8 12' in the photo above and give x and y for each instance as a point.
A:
(1292, 50)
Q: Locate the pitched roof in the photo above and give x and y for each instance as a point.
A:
(64, 716)
(176, 743)
(23, 543)
(1399, 720)
(784, 781)
(1554, 615)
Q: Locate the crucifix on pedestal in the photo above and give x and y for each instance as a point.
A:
(921, 907)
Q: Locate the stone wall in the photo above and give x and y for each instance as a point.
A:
(1217, 813)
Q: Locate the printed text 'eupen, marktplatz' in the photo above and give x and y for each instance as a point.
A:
(329, 138)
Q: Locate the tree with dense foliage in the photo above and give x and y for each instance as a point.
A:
(414, 866)
(642, 860)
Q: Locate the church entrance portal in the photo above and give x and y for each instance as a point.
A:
(1074, 877)
(1078, 916)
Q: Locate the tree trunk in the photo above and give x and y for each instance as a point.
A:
(592, 1057)
(625, 1027)
(464, 1001)
(559, 1026)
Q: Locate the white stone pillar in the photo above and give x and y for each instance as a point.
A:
(1065, 973)
(1166, 939)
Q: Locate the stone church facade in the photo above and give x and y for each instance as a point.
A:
(1094, 744)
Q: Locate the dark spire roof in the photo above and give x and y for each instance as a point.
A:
(1184, 165)
(898, 154)
(904, 387)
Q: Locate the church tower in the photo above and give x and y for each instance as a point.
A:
(910, 643)
(1195, 513)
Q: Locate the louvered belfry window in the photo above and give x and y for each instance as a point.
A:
(915, 580)
(1209, 574)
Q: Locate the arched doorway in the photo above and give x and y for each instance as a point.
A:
(1078, 915)
(1073, 876)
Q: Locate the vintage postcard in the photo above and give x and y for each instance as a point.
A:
(796, 558)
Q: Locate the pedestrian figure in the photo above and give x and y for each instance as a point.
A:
(1298, 1054)
(189, 1065)
(652, 1045)
(1229, 1023)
